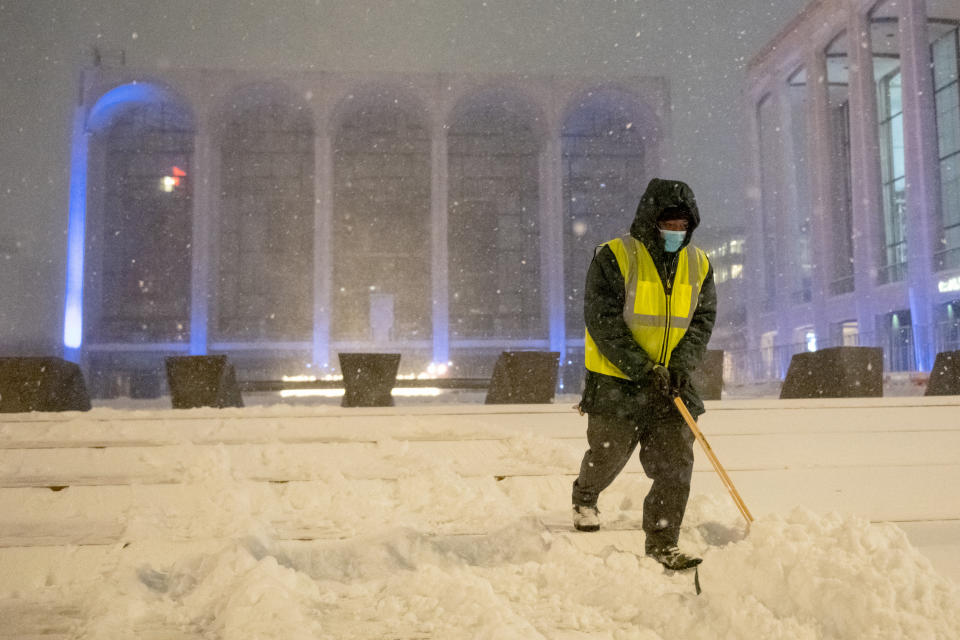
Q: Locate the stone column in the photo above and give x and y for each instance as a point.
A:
(322, 248)
(440, 281)
(551, 240)
(754, 284)
(922, 173)
(819, 163)
(204, 203)
(864, 171)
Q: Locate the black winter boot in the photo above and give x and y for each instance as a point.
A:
(586, 518)
(674, 559)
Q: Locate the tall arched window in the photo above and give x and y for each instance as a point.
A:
(265, 240)
(381, 229)
(798, 179)
(605, 137)
(140, 223)
(493, 155)
(771, 194)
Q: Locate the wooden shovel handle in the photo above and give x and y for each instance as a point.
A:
(727, 482)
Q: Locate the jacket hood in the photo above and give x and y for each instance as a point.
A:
(660, 195)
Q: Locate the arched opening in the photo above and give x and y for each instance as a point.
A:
(139, 223)
(605, 139)
(494, 231)
(265, 236)
(381, 221)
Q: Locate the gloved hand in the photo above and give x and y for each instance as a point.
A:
(660, 377)
(679, 381)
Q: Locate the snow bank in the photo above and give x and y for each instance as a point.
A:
(803, 576)
(527, 575)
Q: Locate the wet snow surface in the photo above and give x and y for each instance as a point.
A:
(452, 521)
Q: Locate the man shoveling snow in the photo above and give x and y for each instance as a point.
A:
(649, 305)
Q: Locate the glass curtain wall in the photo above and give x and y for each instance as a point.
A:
(885, 47)
(945, 52)
(840, 216)
(948, 326)
(896, 334)
(770, 197)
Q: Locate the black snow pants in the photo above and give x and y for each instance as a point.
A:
(666, 453)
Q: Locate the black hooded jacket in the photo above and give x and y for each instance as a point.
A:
(604, 298)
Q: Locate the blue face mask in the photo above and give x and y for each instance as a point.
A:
(672, 239)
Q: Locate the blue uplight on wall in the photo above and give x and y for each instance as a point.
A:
(73, 301)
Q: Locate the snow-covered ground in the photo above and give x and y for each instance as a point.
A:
(439, 520)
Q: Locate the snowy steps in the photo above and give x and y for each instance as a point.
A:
(284, 444)
(120, 463)
(97, 515)
(284, 462)
(109, 428)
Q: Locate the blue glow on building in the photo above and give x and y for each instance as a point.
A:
(441, 347)
(558, 332)
(122, 97)
(76, 241)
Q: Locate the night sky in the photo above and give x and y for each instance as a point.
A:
(701, 47)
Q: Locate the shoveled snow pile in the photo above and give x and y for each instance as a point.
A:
(799, 577)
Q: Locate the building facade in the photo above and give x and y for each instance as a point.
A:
(726, 248)
(854, 188)
(282, 219)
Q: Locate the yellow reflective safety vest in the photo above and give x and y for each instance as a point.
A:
(656, 320)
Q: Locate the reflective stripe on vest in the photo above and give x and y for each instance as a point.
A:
(657, 322)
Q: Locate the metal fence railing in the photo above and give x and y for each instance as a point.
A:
(749, 366)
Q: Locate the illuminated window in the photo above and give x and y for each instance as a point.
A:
(886, 70)
(771, 150)
(841, 195)
(174, 180)
(946, 60)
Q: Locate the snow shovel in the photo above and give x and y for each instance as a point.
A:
(727, 482)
